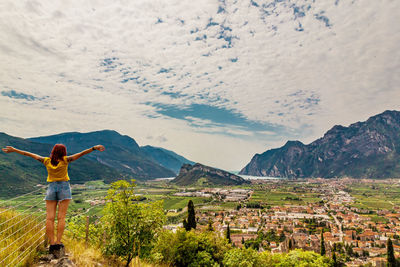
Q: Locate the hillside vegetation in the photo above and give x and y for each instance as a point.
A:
(18, 174)
(202, 175)
(122, 152)
(166, 158)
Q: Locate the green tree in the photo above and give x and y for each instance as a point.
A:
(252, 243)
(77, 229)
(282, 237)
(190, 223)
(298, 257)
(210, 226)
(323, 251)
(335, 264)
(228, 234)
(391, 260)
(248, 257)
(349, 250)
(189, 248)
(131, 226)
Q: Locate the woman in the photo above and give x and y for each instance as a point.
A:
(59, 190)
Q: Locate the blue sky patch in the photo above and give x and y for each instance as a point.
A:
(299, 28)
(211, 23)
(164, 70)
(16, 95)
(174, 94)
(110, 64)
(254, 3)
(323, 18)
(221, 7)
(216, 115)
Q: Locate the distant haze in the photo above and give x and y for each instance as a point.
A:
(214, 81)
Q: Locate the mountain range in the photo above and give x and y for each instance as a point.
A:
(123, 158)
(122, 152)
(166, 158)
(369, 149)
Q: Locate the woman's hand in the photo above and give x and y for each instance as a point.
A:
(99, 147)
(8, 149)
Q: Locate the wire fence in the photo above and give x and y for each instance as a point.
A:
(22, 228)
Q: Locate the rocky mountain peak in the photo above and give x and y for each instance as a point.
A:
(369, 149)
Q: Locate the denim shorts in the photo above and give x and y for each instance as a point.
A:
(58, 191)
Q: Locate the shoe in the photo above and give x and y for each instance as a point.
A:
(57, 250)
(53, 248)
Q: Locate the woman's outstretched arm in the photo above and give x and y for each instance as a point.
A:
(84, 152)
(9, 149)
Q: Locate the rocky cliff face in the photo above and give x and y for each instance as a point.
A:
(198, 173)
(369, 149)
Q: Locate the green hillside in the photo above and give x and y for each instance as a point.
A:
(122, 152)
(166, 158)
(19, 174)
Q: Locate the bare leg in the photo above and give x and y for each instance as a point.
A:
(51, 207)
(62, 211)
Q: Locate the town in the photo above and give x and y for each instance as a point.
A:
(356, 233)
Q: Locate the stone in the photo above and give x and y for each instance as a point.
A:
(65, 262)
(47, 257)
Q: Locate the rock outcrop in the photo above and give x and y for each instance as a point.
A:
(199, 174)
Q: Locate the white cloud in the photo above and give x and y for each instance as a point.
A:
(306, 81)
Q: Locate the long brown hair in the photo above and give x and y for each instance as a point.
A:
(57, 154)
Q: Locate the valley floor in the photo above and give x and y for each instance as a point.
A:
(357, 217)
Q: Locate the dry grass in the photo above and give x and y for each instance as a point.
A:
(91, 256)
(21, 237)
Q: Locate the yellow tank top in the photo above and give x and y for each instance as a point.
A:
(56, 173)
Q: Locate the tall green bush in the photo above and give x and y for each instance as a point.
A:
(248, 257)
(189, 248)
(130, 225)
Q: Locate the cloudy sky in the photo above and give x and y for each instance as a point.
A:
(213, 80)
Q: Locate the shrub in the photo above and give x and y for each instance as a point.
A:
(189, 248)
